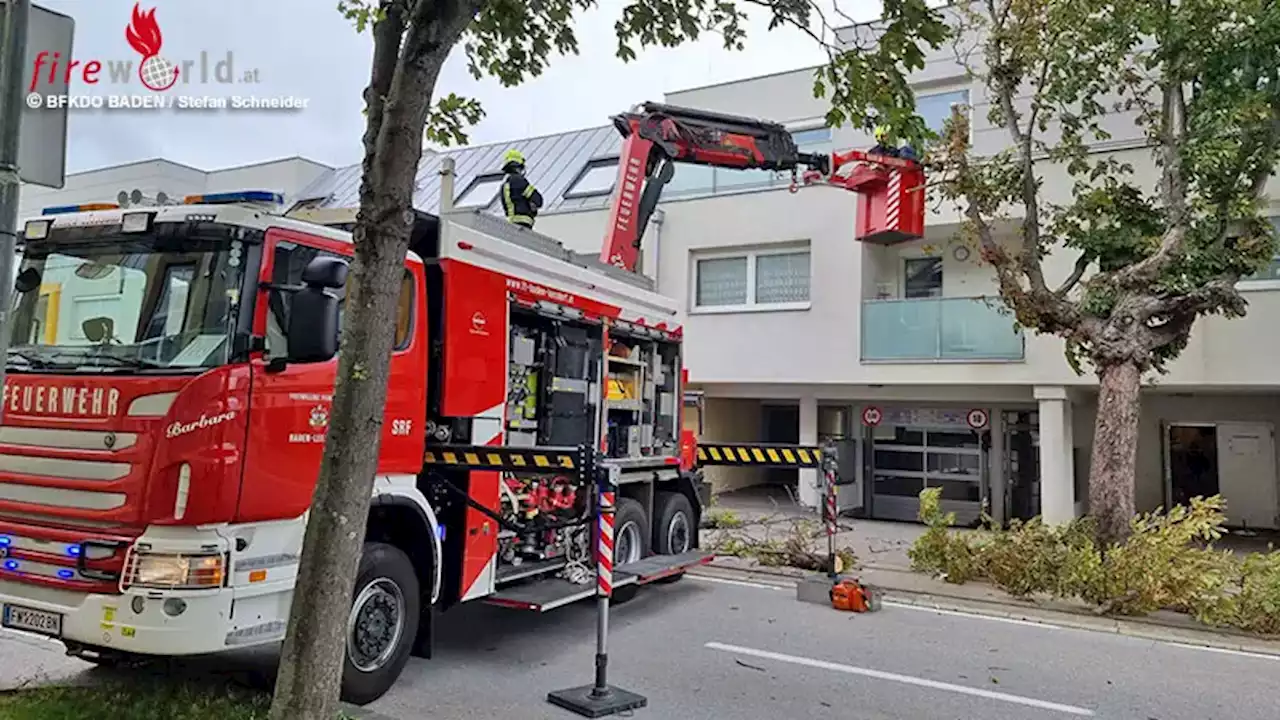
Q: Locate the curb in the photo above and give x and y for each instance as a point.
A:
(1147, 628)
(359, 713)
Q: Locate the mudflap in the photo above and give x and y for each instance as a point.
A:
(425, 642)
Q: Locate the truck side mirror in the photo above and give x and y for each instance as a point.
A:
(27, 280)
(313, 315)
(325, 272)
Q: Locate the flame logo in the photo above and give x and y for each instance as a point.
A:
(143, 34)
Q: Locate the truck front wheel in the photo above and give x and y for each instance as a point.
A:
(382, 625)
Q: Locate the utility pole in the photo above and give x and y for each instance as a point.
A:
(14, 48)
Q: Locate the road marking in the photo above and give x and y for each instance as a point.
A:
(739, 583)
(971, 615)
(1224, 651)
(905, 679)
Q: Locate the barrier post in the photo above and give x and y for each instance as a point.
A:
(600, 699)
(830, 512)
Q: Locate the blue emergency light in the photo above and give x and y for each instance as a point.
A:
(83, 207)
(263, 196)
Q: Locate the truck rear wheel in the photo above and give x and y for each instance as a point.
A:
(630, 533)
(673, 532)
(383, 623)
(630, 542)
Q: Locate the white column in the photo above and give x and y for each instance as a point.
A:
(1057, 464)
(809, 493)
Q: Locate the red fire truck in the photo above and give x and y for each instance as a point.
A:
(169, 382)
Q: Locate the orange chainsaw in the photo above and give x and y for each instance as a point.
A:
(853, 596)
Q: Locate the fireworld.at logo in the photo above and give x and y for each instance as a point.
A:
(156, 72)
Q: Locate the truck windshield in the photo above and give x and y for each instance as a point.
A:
(126, 303)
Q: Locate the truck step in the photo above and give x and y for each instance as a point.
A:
(551, 593)
(657, 567)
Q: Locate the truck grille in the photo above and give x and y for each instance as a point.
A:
(66, 515)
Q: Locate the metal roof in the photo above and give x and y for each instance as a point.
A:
(552, 163)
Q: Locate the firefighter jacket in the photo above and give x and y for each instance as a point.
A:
(520, 200)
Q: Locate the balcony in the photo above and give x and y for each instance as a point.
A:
(954, 329)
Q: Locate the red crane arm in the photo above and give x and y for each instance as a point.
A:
(658, 136)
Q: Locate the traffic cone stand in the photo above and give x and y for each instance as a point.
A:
(600, 699)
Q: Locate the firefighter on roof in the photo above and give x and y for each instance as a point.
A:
(520, 199)
(885, 145)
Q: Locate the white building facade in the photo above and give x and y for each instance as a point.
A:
(160, 178)
(796, 332)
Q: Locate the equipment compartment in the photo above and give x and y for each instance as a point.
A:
(640, 397)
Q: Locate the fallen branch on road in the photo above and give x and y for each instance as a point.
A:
(781, 541)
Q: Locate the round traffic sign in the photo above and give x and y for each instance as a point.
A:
(977, 419)
(871, 416)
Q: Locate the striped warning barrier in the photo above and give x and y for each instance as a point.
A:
(760, 455)
(511, 459)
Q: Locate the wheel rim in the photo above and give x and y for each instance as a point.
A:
(627, 544)
(678, 533)
(375, 625)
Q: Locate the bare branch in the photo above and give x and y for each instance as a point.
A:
(791, 19)
(1218, 294)
(1173, 187)
(1082, 266)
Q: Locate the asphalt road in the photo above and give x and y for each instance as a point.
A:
(715, 648)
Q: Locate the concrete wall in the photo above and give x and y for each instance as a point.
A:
(729, 420)
(1163, 407)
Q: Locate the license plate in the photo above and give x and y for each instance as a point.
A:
(37, 621)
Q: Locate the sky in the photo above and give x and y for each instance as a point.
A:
(306, 49)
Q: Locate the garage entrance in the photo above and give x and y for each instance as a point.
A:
(1234, 459)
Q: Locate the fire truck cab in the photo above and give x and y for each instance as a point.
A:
(169, 384)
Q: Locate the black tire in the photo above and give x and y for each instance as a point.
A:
(630, 512)
(674, 511)
(384, 572)
(672, 508)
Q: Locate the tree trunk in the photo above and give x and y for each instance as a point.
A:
(309, 681)
(1115, 451)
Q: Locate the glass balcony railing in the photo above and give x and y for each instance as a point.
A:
(963, 328)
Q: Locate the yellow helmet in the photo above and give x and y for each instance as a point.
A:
(882, 133)
(512, 156)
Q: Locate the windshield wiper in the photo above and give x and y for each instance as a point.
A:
(121, 361)
(31, 358)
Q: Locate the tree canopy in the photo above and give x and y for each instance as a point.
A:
(865, 77)
(1201, 81)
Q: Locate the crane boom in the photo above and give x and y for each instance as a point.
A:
(658, 136)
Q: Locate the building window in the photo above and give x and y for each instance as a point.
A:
(935, 109)
(782, 278)
(813, 140)
(922, 277)
(1272, 271)
(481, 192)
(689, 180)
(597, 178)
(729, 179)
(771, 279)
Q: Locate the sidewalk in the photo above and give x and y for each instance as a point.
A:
(878, 543)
